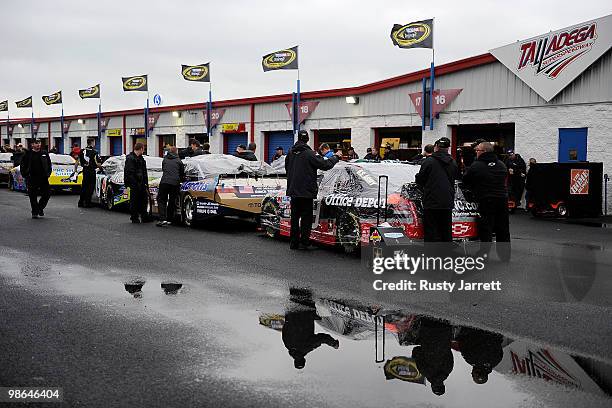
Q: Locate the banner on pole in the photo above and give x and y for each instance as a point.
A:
(103, 123)
(418, 34)
(441, 99)
(24, 103)
(9, 130)
(283, 59)
(152, 120)
(66, 126)
(91, 92)
(135, 83)
(53, 99)
(4, 106)
(215, 117)
(196, 73)
(304, 111)
(35, 127)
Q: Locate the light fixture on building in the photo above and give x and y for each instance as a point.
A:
(81, 121)
(353, 100)
(20, 126)
(176, 114)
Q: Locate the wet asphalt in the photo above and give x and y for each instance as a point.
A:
(135, 315)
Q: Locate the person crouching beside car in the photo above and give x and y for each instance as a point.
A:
(169, 186)
(36, 169)
(136, 178)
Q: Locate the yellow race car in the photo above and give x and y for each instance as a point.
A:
(66, 174)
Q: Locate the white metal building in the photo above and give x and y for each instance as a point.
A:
(495, 103)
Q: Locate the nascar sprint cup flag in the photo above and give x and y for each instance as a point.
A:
(135, 83)
(24, 103)
(197, 73)
(3, 106)
(418, 34)
(283, 59)
(53, 98)
(91, 92)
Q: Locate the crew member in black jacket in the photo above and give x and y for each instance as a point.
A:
(169, 186)
(486, 178)
(36, 169)
(90, 161)
(136, 178)
(437, 177)
(301, 165)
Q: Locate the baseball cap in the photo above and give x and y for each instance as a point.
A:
(280, 148)
(443, 142)
(303, 136)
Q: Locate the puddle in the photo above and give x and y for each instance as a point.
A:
(305, 347)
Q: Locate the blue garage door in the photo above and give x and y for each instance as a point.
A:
(116, 145)
(572, 145)
(97, 144)
(232, 140)
(58, 142)
(283, 139)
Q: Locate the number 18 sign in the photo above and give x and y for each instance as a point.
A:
(441, 99)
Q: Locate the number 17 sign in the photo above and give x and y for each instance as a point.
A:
(441, 98)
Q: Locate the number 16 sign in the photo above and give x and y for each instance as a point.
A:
(441, 99)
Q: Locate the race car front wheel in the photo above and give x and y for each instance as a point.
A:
(270, 213)
(562, 210)
(188, 210)
(347, 232)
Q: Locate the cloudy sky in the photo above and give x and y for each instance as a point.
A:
(70, 44)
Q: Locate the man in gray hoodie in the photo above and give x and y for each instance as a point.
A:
(169, 186)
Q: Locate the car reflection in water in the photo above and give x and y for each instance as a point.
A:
(434, 344)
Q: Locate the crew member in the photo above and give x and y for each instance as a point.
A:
(427, 151)
(390, 154)
(437, 178)
(372, 153)
(169, 186)
(90, 161)
(517, 171)
(325, 151)
(433, 355)
(301, 166)
(136, 178)
(36, 169)
(243, 153)
(280, 152)
(17, 155)
(482, 350)
(486, 178)
(352, 155)
(205, 148)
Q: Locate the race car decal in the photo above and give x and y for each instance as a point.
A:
(342, 200)
(207, 207)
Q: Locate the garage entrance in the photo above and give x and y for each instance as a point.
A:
(200, 137)
(409, 137)
(337, 139)
(232, 140)
(500, 134)
(572, 145)
(58, 143)
(116, 145)
(273, 140)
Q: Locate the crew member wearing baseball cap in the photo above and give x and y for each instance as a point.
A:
(36, 169)
(437, 178)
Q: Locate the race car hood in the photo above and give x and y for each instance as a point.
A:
(210, 165)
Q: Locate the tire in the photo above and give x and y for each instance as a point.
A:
(187, 210)
(109, 200)
(562, 210)
(348, 233)
(270, 209)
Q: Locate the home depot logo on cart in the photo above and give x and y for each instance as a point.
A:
(579, 181)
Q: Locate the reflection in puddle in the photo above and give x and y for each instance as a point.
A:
(134, 287)
(171, 288)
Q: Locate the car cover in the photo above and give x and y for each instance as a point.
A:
(210, 165)
(113, 167)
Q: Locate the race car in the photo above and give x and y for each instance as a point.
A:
(6, 165)
(110, 192)
(220, 185)
(66, 174)
(351, 200)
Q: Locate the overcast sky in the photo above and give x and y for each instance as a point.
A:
(51, 45)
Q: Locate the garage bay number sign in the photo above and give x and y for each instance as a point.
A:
(441, 99)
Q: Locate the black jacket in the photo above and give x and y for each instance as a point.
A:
(437, 177)
(247, 155)
(518, 167)
(486, 177)
(135, 172)
(173, 170)
(89, 159)
(17, 157)
(43, 164)
(299, 333)
(301, 165)
(433, 356)
(481, 348)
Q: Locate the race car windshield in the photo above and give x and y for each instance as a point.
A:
(362, 178)
(61, 159)
(210, 165)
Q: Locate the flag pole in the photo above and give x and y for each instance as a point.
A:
(431, 81)
(32, 125)
(146, 119)
(209, 110)
(297, 103)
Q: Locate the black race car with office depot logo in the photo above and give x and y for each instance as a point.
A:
(220, 185)
(110, 192)
(350, 202)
